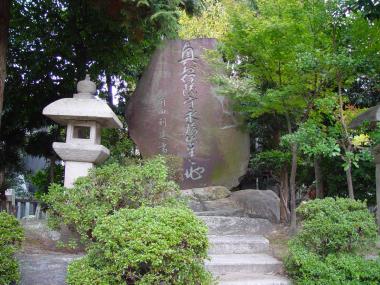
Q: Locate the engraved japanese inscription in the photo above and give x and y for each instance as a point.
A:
(175, 110)
(193, 171)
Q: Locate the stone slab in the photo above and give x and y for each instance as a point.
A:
(246, 263)
(48, 268)
(224, 213)
(263, 204)
(238, 244)
(175, 110)
(252, 279)
(207, 193)
(219, 225)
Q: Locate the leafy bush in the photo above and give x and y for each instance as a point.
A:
(159, 245)
(336, 225)
(41, 179)
(108, 189)
(135, 225)
(325, 251)
(11, 236)
(307, 268)
(118, 142)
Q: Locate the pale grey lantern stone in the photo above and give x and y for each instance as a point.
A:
(84, 115)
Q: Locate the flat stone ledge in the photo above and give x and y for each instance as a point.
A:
(253, 279)
(48, 268)
(219, 225)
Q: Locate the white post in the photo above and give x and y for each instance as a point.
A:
(37, 214)
(27, 209)
(18, 210)
(13, 192)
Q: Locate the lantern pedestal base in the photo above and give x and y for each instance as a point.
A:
(75, 169)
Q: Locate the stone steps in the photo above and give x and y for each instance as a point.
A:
(240, 254)
(223, 213)
(220, 225)
(243, 263)
(238, 244)
(252, 279)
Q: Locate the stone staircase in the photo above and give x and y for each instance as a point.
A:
(239, 252)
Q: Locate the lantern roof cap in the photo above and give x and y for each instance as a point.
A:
(86, 86)
(83, 107)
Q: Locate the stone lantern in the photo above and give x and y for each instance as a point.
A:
(84, 116)
(372, 115)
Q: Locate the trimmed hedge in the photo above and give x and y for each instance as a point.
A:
(106, 190)
(328, 248)
(135, 225)
(11, 236)
(159, 245)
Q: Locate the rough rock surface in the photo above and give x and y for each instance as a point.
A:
(219, 201)
(176, 111)
(37, 232)
(219, 225)
(258, 204)
(207, 193)
(38, 229)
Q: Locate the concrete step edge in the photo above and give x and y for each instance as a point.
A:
(257, 281)
(242, 258)
(239, 244)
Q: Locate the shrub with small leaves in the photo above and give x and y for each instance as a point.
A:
(107, 189)
(11, 236)
(161, 245)
(327, 249)
(336, 225)
(135, 225)
(307, 268)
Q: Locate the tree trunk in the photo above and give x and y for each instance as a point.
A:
(318, 177)
(292, 182)
(347, 144)
(109, 90)
(284, 196)
(4, 29)
(52, 160)
(2, 188)
(378, 196)
(80, 60)
(293, 172)
(349, 182)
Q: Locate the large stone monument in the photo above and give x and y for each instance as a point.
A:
(176, 111)
(84, 116)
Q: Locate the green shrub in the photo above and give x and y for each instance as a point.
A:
(135, 225)
(161, 245)
(326, 250)
(11, 236)
(307, 268)
(41, 179)
(336, 225)
(108, 189)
